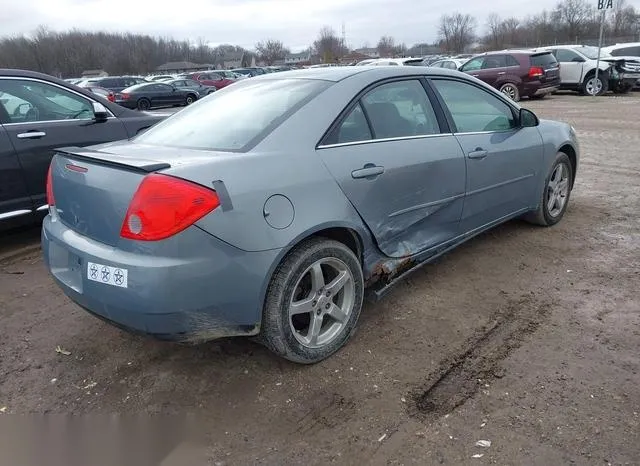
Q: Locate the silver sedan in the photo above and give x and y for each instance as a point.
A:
(267, 209)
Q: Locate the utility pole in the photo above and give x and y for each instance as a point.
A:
(603, 5)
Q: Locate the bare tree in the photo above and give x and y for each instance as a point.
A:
(495, 34)
(328, 45)
(624, 20)
(574, 16)
(271, 50)
(457, 31)
(386, 46)
(510, 29)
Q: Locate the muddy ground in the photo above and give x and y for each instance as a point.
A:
(526, 337)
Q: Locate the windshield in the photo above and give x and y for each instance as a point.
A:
(592, 52)
(235, 118)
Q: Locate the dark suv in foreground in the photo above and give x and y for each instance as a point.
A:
(517, 73)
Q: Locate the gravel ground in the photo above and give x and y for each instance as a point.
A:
(525, 337)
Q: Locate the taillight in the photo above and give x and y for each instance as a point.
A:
(50, 200)
(111, 97)
(124, 96)
(536, 72)
(163, 206)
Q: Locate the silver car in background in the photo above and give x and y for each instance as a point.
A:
(268, 208)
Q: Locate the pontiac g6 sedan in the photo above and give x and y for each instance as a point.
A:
(269, 207)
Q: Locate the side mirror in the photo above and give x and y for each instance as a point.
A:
(578, 60)
(528, 119)
(100, 113)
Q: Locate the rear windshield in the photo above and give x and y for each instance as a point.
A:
(543, 59)
(416, 62)
(235, 118)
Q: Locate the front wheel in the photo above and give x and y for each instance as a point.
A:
(313, 301)
(190, 99)
(556, 192)
(591, 86)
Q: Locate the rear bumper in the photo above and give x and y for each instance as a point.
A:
(192, 288)
(546, 90)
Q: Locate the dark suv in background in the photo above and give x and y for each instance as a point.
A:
(517, 73)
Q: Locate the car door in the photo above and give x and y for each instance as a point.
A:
(15, 201)
(503, 160)
(402, 170)
(571, 65)
(494, 70)
(169, 95)
(45, 116)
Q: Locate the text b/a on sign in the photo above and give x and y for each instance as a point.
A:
(605, 4)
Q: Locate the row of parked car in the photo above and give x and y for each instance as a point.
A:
(537, 72)
(144, 93)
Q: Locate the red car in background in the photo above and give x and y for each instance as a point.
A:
(210, 78)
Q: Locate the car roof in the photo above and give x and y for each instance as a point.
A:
(338, 73)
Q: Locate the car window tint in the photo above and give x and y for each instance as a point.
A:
(544, 60)
(247, 111)
(494, 61)
(511, 61)
(626, 51)
(473, 64)
(400, 109)
(353, 128)
(26, 100)
(564, 55)
(474, 109)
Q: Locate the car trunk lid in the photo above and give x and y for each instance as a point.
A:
(92, 189)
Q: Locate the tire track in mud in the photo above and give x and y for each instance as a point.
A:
(459, 378)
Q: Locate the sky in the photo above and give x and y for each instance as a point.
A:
(245, 22)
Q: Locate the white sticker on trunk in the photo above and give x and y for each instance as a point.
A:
(113, 276)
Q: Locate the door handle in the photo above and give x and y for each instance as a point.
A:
(368, 171)
(503, 72)
(475, 75)
(32, 135)
(479, 153)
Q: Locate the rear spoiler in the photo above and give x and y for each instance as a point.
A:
(120, 161)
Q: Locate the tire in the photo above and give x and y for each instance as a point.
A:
(511, 91)
(291, 336)
(587, 84)
(190, 99)
(144, 104)
(544, 215)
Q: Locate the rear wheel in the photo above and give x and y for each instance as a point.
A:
(313, 301)
(556, 192)
(511, 91)
(144, 104)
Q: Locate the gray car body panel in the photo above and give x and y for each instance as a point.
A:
(398, 224)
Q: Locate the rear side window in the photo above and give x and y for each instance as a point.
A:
(511, 61)
(626, 51)
(494, 61)
(235, 118)
(400, 109)
(543, 60)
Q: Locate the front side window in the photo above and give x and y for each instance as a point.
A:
(473, 64)
(474, 109)
(565, 56)
(400, 109)
(236, 117)
(26, 101)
